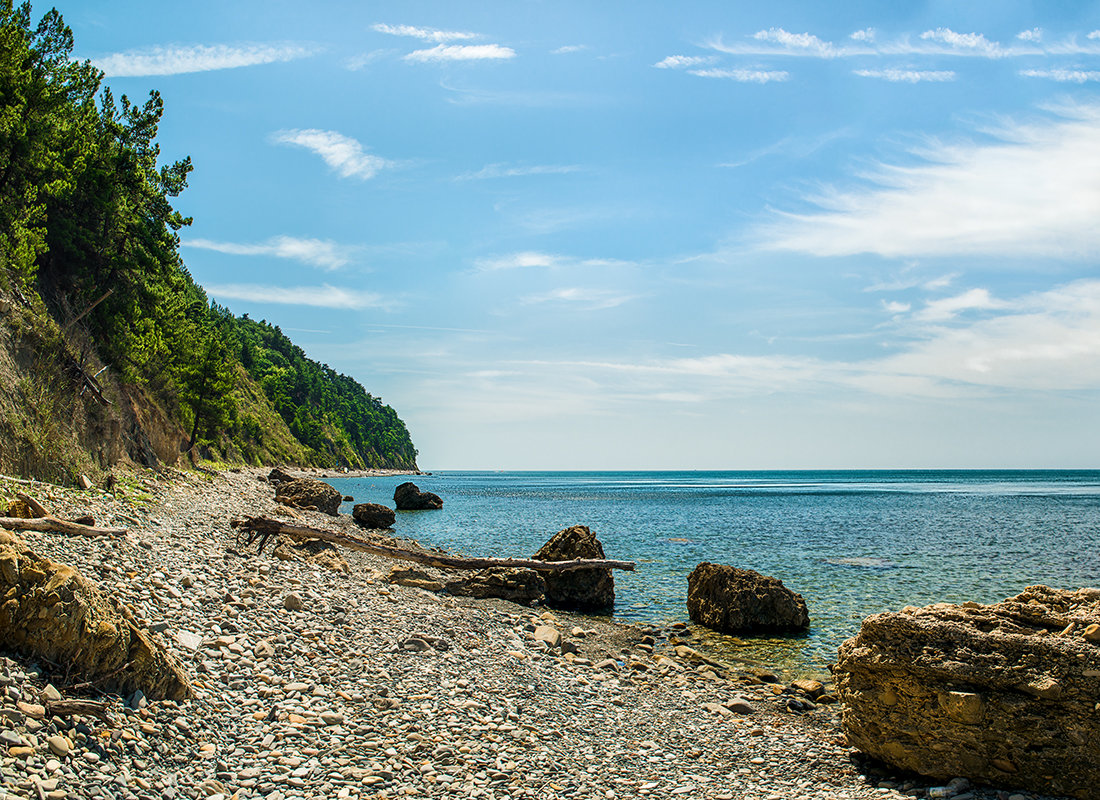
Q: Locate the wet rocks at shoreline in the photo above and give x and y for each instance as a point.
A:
(408, 497)
(732, 600)
(582, 589)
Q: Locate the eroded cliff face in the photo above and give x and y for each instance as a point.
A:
(1007, 694)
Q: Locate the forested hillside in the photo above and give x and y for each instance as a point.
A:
(105, 335)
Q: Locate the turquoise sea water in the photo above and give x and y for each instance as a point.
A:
(851, 543)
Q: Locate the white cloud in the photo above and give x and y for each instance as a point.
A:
(1094, 35)
(954, 42)
(316, 252)
(427, 34)
(1034, 193)
(949, 307)
(592, 299)
(907, 75)
(519, 260)
(362, 60)
(682, 62)
(324, 296)
(505, 171)
(865, 35)
(197, 58)
(1063, 75)
(743, 75)
(568, 48)
(462, 52)
(341, 153)
(1033, 35)
(894, 307)
(796, 43)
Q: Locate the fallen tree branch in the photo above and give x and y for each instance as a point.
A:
(91, 708)
(33, 504)
(265, 527)
(51, 524)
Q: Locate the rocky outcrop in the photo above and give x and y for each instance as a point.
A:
(279, 475)
(373, 515)
(1005, 694)
(518, 585)
(408, 497)
(581, 589)
(732, 600)
(309, 493)
(50, 611)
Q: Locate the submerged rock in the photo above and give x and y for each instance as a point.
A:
(1003, 694)
(52, 612)
(732, 600)
(581, 589)
(309, 493)
(373, 515)
(408, 497)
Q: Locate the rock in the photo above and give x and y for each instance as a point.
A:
(316, 550)
(59, 745)
(982, 692)
(20, 510)
(85, 482)
(518, 585)
(739, 705)
(51, 611)
(414, 578)
(731, 600)
(809, 687)
(373, 515)
(548, 634)
(580, 589)
(49, 694)
(279, 475)
(408, 497)
(309, 493)
(293, 602)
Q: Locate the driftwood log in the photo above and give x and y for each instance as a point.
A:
(264, 527)
(47, 522)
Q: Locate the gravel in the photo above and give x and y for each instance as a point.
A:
(314, 682)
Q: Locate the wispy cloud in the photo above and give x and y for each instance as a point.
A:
(683, 62)
(963, 42)
(518, 260)
(791, 147)
(781, 42)
(506, 171)
(462, 52)
(590, 299)
(324, 296)
(427, 34)
(322, 253)
(1063, 75)
(1035, 192)
(743, 75)
(947, 308)
(907, 75)
(1032, 35)
(342, 153)
(864, 35)
(177, 60)
(895, 307)
(363, 60)
(568, 48)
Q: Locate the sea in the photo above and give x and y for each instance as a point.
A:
(852, 543)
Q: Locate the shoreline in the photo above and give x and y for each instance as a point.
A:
(379, 690)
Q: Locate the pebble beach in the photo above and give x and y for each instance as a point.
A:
(316, 678)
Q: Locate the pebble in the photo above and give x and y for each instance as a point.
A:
(388, 691)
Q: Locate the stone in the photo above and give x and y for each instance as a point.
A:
(983, 692)
(739, 705)
(579, 589)
(59, 745)
(414, 578)
(309, 493)
(279, 475)
(85, 482)
(732, 600)
(293, 602)
(809, 687)
(548, 634)
(53, 612)
(373, 515)
(49, 694)
(408, 497)
(518, 585)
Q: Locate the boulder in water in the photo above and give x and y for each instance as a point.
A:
(579, 589)
(1004, 694)
(732, 600)
(408, 497)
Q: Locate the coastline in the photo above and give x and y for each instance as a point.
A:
(338, 700)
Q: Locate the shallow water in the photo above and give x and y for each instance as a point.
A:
(851, 543)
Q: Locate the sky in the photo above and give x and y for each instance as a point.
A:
(653, 235)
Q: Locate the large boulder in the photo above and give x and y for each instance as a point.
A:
(1003, 694)
(408, 497)
(580, 589)
(309, 493)
(373, 515)
(732, 600)
(518, 585)
(279, 475)
(51, 612)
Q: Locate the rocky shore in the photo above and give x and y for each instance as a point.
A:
(316, 678)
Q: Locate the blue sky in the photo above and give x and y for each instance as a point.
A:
(649, 235)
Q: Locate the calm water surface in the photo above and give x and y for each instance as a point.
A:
(851, 543)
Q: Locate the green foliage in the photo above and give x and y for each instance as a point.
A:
(86, 222)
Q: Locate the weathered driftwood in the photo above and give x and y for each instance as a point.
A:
(264, 527)
(51, 524)
(33, 504)
(89, 708)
